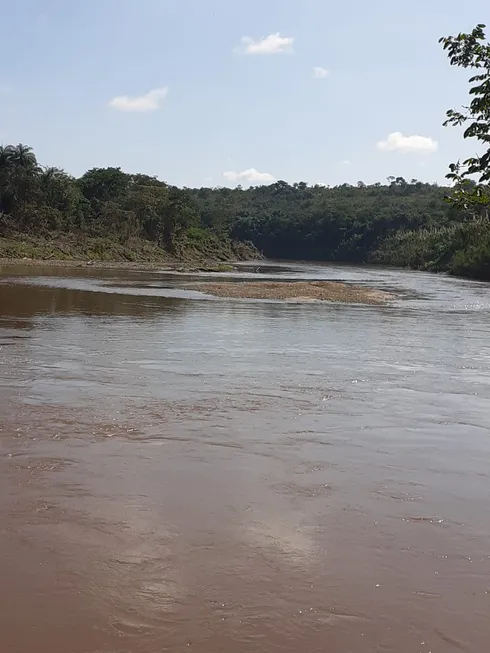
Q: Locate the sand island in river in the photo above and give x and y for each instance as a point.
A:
(331, 291)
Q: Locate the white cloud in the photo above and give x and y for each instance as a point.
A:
(142, 103)
(345, 162)
(272, 44)
(320, 73)
(397, 142)
(251, 175)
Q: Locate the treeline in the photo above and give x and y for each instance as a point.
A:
(405, 223)
(402, 223)
(344, 223)
(105, 205)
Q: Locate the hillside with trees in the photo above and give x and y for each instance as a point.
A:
(108, 214)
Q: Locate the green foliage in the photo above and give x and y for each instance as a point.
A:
(105, 184)
(461, 249)
(107, 215)
(314, 222)
(470, 50)
(196, 235)
(472, 252)
(426, 249)
(104, 202)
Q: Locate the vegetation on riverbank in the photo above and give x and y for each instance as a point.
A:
(108, 215)
(459, 249)
(59, 247)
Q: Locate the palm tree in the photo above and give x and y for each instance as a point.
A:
(6, 156)
(50, 173)
(24, 157)
(6, 167)
(19, 172)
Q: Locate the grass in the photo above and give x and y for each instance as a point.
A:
(459, 249)
(210, 253)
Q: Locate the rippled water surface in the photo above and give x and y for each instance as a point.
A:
(184, 473)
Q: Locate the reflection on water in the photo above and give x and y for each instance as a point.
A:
(29, 301)
(188, 474)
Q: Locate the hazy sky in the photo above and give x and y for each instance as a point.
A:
(219, 92)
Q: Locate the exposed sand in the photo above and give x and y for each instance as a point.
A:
(304, 291)
(299, 291)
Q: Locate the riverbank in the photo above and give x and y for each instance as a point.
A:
(61, 250)
(301, 291)
(162, 265)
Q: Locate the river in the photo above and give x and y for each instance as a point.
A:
(220, 476)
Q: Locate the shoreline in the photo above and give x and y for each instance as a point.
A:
(164, 266)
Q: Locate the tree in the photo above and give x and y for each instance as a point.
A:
(470, 50)
(60, 192)
(24, 157)
(179, 213)
(147, 199)
(104, 184)
(19, 172)
(6, 157)
(7, 189)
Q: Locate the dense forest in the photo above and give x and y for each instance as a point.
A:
(106, 213)
(399, 223)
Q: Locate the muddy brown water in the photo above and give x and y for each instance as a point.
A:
(180, 473)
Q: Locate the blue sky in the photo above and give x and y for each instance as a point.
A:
(219, 92)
